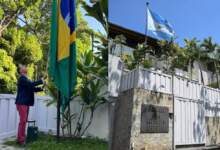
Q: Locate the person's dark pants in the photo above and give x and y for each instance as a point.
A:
(23, 114)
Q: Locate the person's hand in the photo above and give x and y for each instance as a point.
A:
(44, 77)
(43, 80)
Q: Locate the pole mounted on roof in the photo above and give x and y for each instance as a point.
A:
(146, 29)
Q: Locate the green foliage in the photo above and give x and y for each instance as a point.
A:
(11, 39)
(1, 13)
(19, 43)
(10, 10)
(25, 33)
(91, 73)
(212, 51)
(214, 85)
(147, 63)
(22, 47)
(29, 51)
(83, 40)
(98, 10)
(129, 61)
(92, 81)
(7, 73)
(140, 57)
(91, 89)
(49, 142)
(30, 69)
(206, 53)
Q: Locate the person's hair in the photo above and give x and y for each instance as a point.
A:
(20, 66)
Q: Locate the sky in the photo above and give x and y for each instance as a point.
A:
(93, 23)
(189, 18)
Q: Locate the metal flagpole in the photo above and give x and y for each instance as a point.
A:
(146, 29)
(59, 93)
(70, 123)
(58, 116)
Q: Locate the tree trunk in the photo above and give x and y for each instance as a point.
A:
(90, 122)
(216, 72)
(63, 127)
(191, 68)
(200, 69)
(217, 79)
(78, 122)
(202, 79)
(70, 121)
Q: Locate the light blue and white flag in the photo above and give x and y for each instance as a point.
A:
(158, 27)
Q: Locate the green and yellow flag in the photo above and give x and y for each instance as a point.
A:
(62, 56)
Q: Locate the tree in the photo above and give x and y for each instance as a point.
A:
(10, 10)
(29, 52)
(90, 89)
(213, 56)
(98, 10)
(191, 47)
(7, 73)
(25, 35)
(18, 35)
(92, 68)
(83, 32)
(169, 52)
(22, 47)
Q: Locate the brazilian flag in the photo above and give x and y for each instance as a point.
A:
(62, 56)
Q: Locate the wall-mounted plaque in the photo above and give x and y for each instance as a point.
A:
(154, 119)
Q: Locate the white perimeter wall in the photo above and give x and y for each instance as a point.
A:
(192, 101)
(46, 117)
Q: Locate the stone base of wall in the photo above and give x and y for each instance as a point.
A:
(150, 141)
(127, 122)
(122, 121)
(212, 130)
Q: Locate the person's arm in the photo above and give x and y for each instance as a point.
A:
(38, 89)
(36, 83)
(25, 82)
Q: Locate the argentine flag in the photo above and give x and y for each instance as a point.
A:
(158, 27)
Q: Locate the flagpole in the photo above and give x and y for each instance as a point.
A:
(59, 93)
(58, 116)
(146, 29)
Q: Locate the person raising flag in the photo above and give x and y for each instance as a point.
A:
(25, 99)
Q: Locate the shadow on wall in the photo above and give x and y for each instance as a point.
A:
(114, 77)
(115, 72)
(199, 125)
(146, 77)
(199, 129)
(212, 123)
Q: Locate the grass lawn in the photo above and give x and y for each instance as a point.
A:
(48, 142)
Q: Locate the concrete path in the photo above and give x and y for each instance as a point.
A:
(5, 147)
(201, 148)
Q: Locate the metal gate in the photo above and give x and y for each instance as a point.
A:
(189, 109)
(189, 122)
